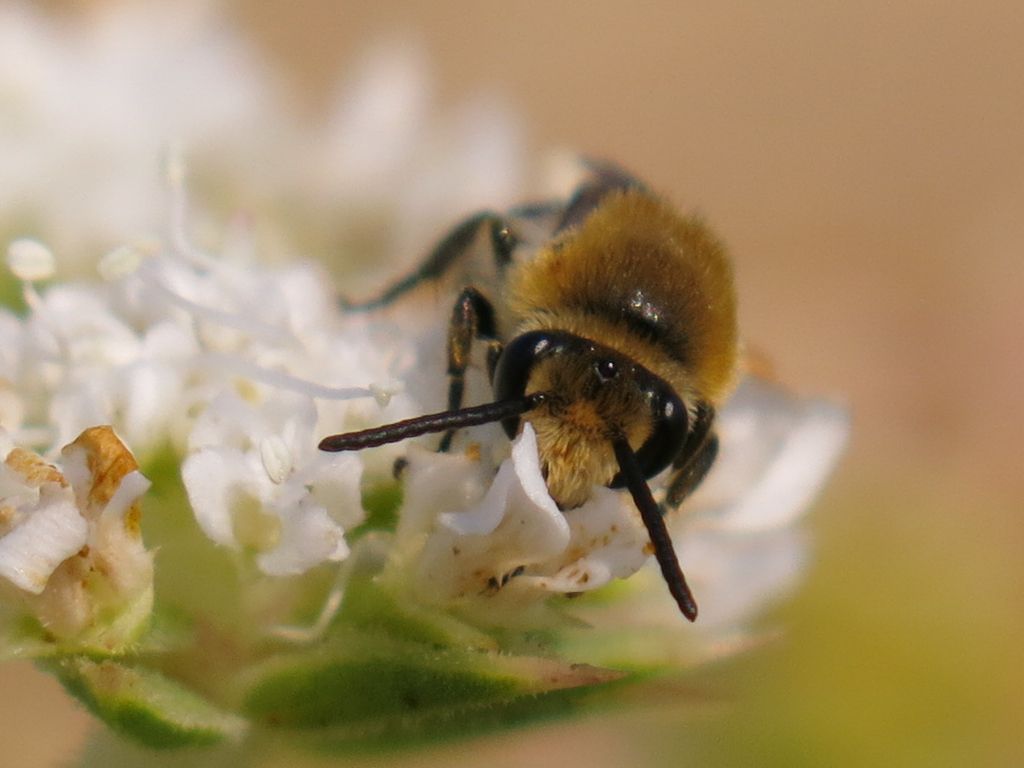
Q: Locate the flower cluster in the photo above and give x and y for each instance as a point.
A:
(89, 107)
(207, 357)
(283, 585)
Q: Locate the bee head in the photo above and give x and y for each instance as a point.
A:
(594, 396)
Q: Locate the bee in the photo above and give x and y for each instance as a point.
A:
(610, 325)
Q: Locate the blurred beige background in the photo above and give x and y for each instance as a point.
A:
(865, 162)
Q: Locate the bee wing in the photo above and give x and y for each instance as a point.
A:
(602, 178)
(775, 452)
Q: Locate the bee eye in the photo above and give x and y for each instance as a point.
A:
(671, 426)
(606, 369)
(516, 361)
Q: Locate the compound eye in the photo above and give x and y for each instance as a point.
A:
(606, 369)
(512, 371)
(671, 425)
(670, 428)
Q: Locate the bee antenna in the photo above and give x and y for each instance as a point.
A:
(650, 513)
(433, 422)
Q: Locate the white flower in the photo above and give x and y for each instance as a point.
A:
(70, 540)
(86, 365)
(236, 362)
(96, 104)
(210, 355)
(514, 537)
(175, 332)
(89, 107)
(174, 328)
(255, 481)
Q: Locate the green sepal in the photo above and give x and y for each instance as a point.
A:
(368, 687)
(398, 732)
(372, 605)
(142, 704)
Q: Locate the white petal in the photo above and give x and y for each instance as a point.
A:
(434, 483)
(515, 524)
(47, 537)
(209, 477)
(377, 118)
(527, 464)
(608, 528)
(308, 538)
(332, 480)
(224, 423)
(519, 475)
(776, 452)
(148, 392)
(481, 519)
(129, 490)
(736, 575)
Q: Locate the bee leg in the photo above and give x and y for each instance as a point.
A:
(472, 318)
(494, 348)
(695, 458)
(455, 244)
(685, 480)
